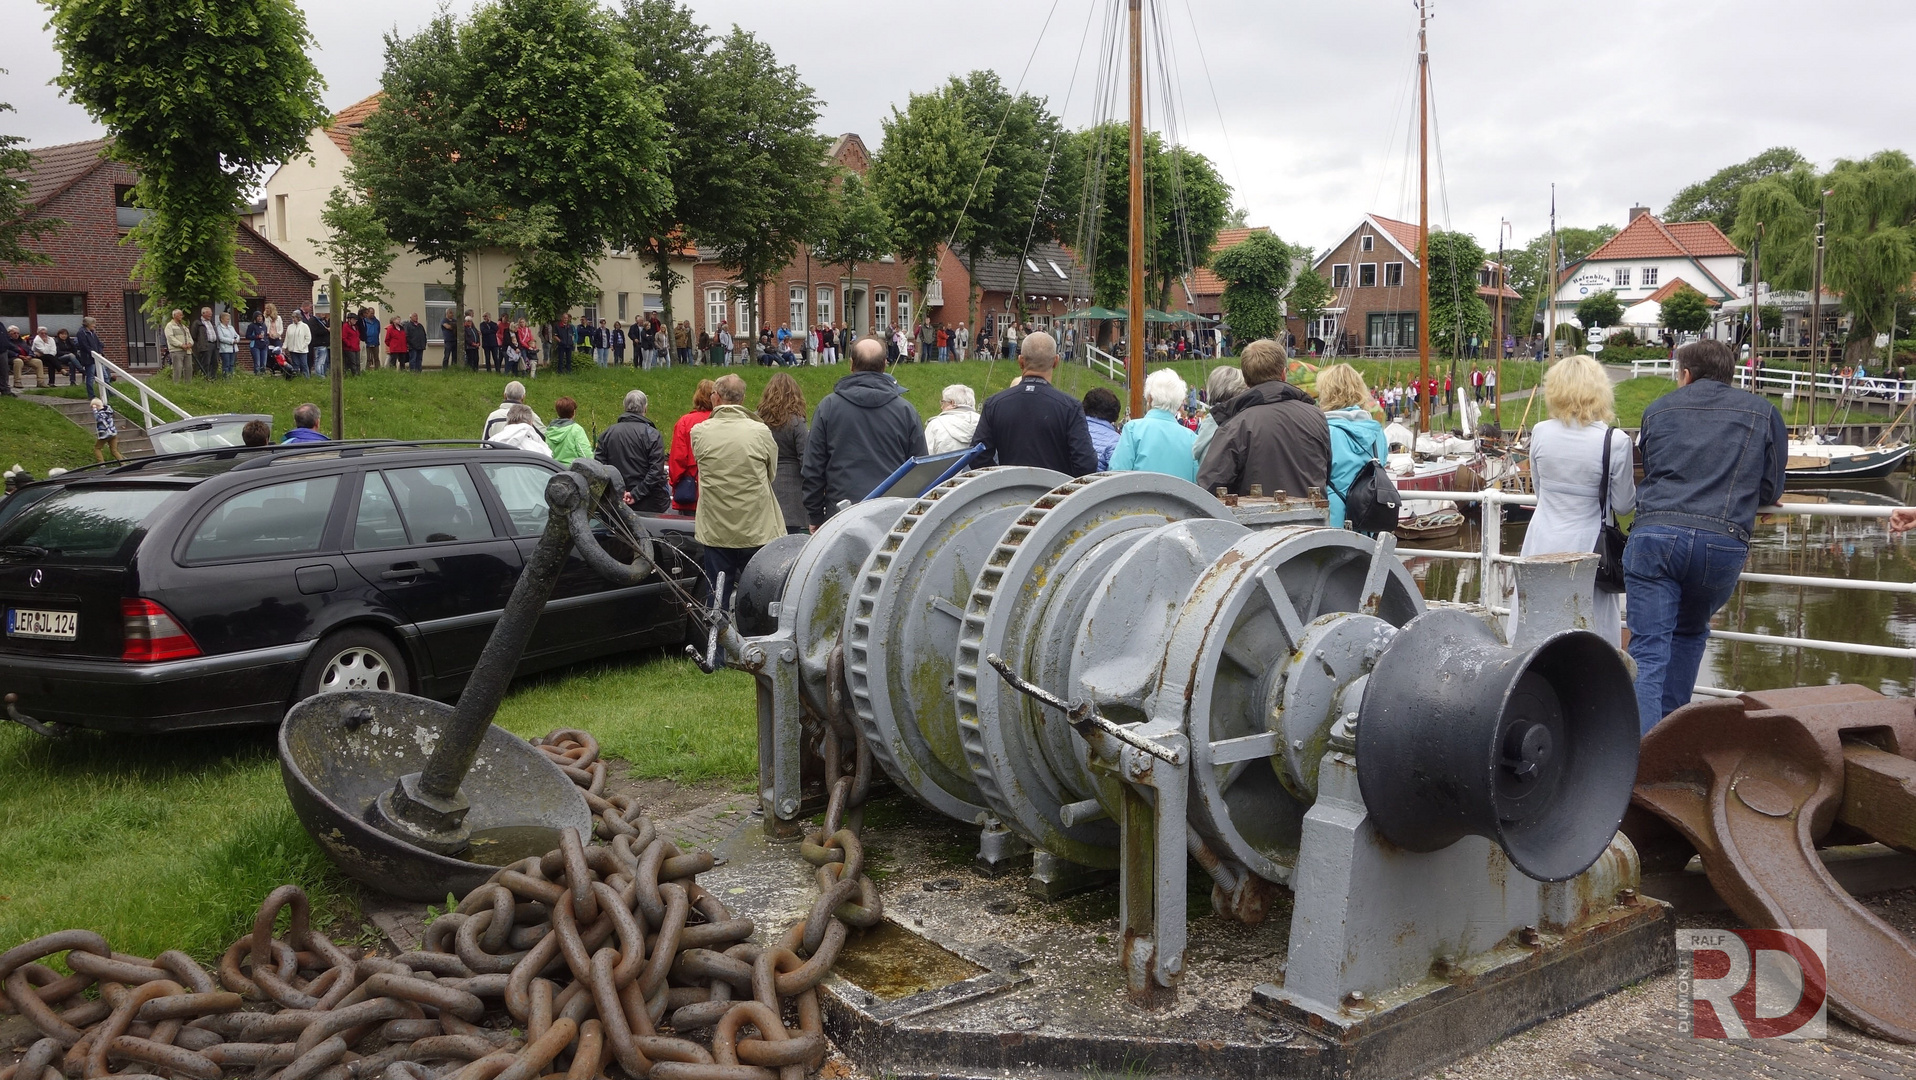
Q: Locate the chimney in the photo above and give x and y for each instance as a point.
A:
(1638, 211)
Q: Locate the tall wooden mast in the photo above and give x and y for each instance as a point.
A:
(1134, 352)
(1423, 217)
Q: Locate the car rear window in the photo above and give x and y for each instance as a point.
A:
(282, 519)
(86, 523)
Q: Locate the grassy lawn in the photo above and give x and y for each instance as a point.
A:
(40, 439)
(1634, 394)
(171, 842)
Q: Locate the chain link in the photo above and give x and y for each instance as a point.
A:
(600, 954)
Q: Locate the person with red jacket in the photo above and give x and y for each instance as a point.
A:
(349, 345)
(396, 347)
(682, 469)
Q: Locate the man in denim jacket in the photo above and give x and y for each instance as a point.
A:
(1711, 455)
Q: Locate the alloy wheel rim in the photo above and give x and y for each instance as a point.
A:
(356, 668)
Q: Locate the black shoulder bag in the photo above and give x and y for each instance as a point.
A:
(1371, 501)
(1610, 536)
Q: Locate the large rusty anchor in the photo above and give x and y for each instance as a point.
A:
(1755, 784)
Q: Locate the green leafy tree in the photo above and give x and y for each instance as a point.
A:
(200, 99)
(1600, 309)
(1310, 295)
(780, 156)
(416, 162)
(1255, 271)
(560, 118)
(923, 173)
(852, 227)
(1870, 243)
(17, 228)
(1185, 204)
(1015, 203)
(1456, 311)
(357, 248)
(1239, 217)
(1686, 311)
(1715, 200)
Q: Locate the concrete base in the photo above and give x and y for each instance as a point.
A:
(1053, 878)
(976, 977)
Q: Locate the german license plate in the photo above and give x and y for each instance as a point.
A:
(58, 625)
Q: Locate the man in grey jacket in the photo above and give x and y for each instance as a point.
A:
(1272, 436)
(861, 433)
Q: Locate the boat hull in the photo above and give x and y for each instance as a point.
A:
(1870, 465)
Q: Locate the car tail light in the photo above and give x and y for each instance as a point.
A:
(153, 634)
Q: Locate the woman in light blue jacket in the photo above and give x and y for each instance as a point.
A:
(1356, 436)
(1156, 442)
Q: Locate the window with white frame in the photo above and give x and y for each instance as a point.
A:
(742, 325)
(796, 293)
(1367, 242)
(714, 307)
(625, 306)
(881, 309)
(1341, 276)
(1623, 279)
(825, 296)
(1649, 276)
(1393, 275)
(904, 307)
(438, 306)
(1366, 275)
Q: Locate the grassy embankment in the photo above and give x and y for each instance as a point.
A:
(1634, 394)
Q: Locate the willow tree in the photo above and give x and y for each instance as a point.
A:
(1185, 205)
(1456, 311)
(200, 98)
(1870, 240)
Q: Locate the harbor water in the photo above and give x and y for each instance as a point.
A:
(1858, 549)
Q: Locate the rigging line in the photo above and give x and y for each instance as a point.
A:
(1010, 103)
(1443, 197)
(1175, 127)
(1091, 198)
(1044, 185)
(1397, 114)
(1216, 103)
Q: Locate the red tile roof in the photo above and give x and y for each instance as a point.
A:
(1403, 232)
(1702, 238)
(55, 168)
(348, 121)
(1203, 281)
(1644, 238)
(1670, 289)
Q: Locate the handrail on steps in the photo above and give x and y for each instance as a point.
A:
(105, 371)
(1105, 364)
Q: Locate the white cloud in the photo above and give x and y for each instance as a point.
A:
(1616, 101)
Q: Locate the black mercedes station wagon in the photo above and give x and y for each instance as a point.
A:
(219, 586)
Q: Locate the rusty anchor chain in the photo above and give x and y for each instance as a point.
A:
(598, 954)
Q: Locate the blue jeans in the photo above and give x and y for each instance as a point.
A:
(297, 362)
(322, 357)
(228, 361)
(1676, 579)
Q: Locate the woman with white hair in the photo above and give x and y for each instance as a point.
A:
(1220, 386)
(951, 429)
(520, 431)
(1566, 464)
(1156, 441)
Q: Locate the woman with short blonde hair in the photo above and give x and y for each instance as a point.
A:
(1356, 436)
(1566, 466)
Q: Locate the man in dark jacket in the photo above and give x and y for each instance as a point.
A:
(87, 343)
(415, 342)
(1272, 436)
(634, 446)
(1711, 455)
(9, 348)
(449, 338)
(861, 433)
(1034, 423)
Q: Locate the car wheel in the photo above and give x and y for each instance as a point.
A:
(354, 660)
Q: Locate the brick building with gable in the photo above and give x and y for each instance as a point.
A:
(92, 269)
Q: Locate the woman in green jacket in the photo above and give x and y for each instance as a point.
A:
(566, 438)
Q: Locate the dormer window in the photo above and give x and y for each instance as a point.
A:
(1367, 242)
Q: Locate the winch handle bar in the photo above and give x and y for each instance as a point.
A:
(1084, 717)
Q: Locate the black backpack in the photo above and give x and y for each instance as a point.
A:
(1371, 501)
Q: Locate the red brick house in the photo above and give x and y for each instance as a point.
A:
(1376, 282)
(92, 269)
(1203, 291)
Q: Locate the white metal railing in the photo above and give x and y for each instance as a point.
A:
(1788, 381)
(1104, 363)
(106, 374)
(1490, 555)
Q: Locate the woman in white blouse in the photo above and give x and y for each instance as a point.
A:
(1566, 462)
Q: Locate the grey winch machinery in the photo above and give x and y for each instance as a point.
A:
(1276, 705)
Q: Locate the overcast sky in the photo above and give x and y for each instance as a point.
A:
(1615, 101)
